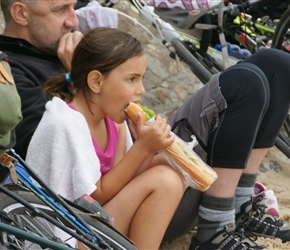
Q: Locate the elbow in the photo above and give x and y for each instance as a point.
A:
(99, 196)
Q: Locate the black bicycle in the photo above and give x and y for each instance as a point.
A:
(281, 40)
(32, 216)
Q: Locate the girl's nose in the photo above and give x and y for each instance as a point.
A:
(141, 89)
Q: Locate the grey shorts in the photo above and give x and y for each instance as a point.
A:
(199, 115)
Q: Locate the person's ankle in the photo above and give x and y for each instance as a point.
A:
(207, 230)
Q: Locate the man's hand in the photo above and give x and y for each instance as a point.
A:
(66, 47)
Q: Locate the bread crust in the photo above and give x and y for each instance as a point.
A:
(132, 111)
(201, 173)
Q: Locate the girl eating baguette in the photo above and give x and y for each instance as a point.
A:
(83, 145)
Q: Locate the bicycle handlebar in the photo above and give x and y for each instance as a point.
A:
(232, 8)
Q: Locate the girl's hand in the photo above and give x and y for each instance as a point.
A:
(132, 128)
(154, 137)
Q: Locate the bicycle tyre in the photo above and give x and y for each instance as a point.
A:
(281, 31)
(196, 67)
(281, 41)
(7, 204)
(282, 142)
(282, 146)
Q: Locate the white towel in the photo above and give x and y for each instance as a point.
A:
(61, 151)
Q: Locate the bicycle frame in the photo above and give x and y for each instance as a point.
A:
(54, 201)
(25, 235)
(168, 33)
(250, 34)
(245, 22)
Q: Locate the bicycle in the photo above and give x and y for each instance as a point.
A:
(208, 61)
(32, 216)
(281, 40)
(250, 32)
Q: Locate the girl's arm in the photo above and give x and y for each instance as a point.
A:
(122, 148)
(150, 139)
(120, 154)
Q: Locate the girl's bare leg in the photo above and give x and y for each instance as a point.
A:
(143, 209)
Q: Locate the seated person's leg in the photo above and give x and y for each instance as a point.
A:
(231, 144)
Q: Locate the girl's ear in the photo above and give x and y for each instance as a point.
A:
(19, 13)
(94, 80)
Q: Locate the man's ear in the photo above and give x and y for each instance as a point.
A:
(94, 80)
(19, 13)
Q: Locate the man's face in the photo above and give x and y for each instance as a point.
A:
(49, 20)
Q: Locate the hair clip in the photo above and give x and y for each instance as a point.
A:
(68, 77)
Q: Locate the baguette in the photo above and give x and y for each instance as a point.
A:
(133, 109)
(181, 155)
(190, 162)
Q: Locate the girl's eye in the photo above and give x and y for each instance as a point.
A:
(132, 79)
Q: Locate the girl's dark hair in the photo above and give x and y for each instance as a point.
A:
(101, 49)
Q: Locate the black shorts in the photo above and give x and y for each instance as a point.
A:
(238, 110)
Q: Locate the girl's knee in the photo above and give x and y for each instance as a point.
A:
(170, 178)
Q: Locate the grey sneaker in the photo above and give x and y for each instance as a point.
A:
(254, 219)
(227, 239)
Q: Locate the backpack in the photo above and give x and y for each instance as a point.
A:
(10, 105)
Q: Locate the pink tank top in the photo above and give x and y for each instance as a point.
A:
(106, 158)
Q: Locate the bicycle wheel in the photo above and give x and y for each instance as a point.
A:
(197, 68)
(282, 141)
(18, 215)
(281, 38)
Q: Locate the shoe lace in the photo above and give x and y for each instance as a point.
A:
(259, 210)
(242, 234)
(259, 198)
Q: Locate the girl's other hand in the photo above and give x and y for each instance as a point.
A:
(154, 137)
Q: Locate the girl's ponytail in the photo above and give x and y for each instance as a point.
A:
(61, 86)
